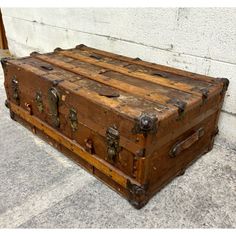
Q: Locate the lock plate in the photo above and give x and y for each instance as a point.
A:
(53, 98)
(113, 139)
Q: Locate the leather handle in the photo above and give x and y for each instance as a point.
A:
(188, 142)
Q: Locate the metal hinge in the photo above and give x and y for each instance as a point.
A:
(53, 103)
(144, 124)
(113, 139)
(73, 119)
(179, 104)
(15, 89)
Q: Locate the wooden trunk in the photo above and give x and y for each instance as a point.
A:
(135, 125)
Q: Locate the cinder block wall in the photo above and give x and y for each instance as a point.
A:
(201, 40)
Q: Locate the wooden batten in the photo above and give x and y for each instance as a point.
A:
(137, 61)
(137, 75)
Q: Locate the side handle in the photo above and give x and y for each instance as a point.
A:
(188, 142)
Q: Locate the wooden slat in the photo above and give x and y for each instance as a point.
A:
(138, 75)
(107, 169)
(154, 66)
(137, 91)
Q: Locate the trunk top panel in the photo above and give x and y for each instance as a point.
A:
(146, 87)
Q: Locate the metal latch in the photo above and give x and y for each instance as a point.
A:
(15, 89)
(39, 101)
(113, 139)
(73, 119)
(53, 103)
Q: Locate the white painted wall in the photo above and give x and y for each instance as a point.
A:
(201, 40)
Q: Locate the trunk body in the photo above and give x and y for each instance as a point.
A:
(133, 124)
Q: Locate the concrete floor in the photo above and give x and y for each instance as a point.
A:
(40, 188)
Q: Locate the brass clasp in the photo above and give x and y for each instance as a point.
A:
(113, 139)
(53, 103)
